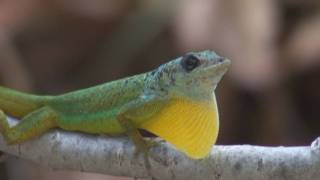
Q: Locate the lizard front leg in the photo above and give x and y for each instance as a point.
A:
(30, 126)
(134, 113)
(134, 134)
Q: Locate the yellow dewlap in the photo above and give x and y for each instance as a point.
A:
(192, 127)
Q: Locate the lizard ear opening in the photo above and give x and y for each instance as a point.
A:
(192, 127)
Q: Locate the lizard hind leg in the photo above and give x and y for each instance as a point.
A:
(32, 125)
(4, 125)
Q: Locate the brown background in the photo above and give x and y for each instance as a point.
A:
(271, 95)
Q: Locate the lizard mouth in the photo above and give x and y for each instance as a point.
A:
(218, 69)
(220, 64)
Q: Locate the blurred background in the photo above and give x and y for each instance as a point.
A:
(271, 95)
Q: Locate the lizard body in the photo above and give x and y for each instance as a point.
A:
(176, 101)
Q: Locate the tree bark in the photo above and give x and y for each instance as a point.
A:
(116, 156)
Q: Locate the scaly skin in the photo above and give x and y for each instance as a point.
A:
(182, 86)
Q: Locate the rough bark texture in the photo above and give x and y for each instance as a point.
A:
(116, 156)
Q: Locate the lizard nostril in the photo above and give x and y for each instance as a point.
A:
(220, 60)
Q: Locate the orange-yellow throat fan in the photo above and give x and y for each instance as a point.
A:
(191, 126)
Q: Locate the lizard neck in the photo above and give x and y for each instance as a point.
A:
(157, 84)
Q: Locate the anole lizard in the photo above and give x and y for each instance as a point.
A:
(176, 101)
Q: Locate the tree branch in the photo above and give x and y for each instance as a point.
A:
(115, 156)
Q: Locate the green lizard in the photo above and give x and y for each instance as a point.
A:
(176, 101)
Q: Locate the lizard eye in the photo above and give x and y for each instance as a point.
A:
(189, 62)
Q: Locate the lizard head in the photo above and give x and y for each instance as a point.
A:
(195, 74)
(190, 120)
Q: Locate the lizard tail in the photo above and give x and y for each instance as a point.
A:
(18, 104)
